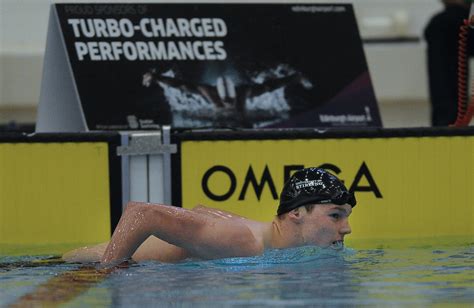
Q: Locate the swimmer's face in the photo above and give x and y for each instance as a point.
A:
(326, 225)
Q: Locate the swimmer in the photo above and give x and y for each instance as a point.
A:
(314, 210)
(225, 93)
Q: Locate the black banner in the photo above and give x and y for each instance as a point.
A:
(139, 66)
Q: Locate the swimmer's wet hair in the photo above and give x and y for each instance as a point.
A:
(313, 186)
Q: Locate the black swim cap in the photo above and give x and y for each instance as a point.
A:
(313, 186)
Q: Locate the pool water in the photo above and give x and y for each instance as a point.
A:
(415, 275)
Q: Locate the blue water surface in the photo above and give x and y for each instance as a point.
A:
(305, 276)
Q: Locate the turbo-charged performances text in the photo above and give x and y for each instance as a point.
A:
(179, 39)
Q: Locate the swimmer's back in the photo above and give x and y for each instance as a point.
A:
(254, 226)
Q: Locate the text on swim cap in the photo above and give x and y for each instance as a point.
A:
(312, 183)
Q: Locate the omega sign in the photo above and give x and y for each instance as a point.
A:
(266, 181)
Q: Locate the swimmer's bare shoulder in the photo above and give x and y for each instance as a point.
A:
(217, 213)
(156, 249)
(226, 226)
(257, 228)
(198, 234)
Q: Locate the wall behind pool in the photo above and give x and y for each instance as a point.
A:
(67, 188)
(408, 185)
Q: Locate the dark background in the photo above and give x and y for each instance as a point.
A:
(325, 47)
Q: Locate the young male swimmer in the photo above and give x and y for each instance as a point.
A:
(314, 210)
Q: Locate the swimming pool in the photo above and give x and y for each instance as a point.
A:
(417, 273)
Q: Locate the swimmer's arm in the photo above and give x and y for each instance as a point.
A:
(198, 234)
(151, 249)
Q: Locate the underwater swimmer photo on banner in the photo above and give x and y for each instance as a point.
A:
(140, 66)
